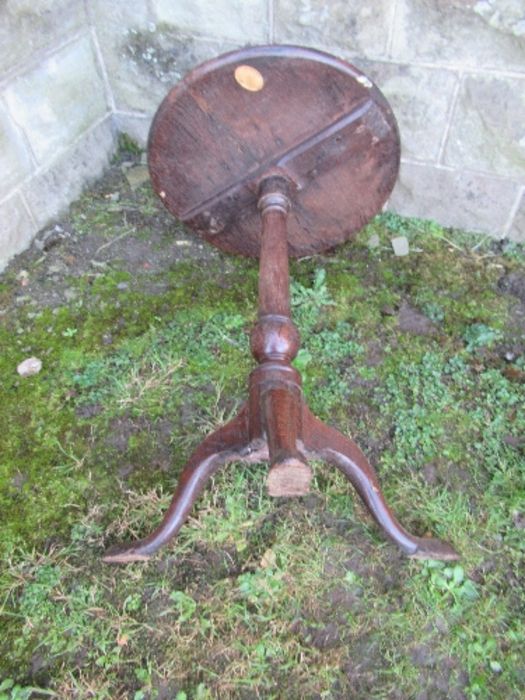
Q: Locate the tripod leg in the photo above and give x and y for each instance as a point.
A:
(224, 445)
(343, 453)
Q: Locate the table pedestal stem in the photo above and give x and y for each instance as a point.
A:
(276, 424)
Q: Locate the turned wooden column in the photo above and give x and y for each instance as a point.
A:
(275, 386)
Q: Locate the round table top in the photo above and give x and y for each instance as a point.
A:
(266, 109)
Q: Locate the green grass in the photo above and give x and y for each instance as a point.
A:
(299, 598)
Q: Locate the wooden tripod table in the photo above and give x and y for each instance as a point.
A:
(275, 151)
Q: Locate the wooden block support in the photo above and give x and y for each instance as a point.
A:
(290, 474)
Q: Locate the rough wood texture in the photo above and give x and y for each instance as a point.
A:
(281, 408)
(289, 477)
(276, 423)
(316, 117)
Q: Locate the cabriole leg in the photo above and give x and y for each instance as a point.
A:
(225, 445)
(343, 453)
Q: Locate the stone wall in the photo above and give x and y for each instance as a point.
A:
(74, 72)
(56, 128)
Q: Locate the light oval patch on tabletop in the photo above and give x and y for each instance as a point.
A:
(249, 78)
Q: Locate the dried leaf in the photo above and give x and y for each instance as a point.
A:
(269, 560)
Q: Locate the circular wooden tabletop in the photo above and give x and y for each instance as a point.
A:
(257, 111)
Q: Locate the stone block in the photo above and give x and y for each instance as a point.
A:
(120, 14)
(16, 229)
(484, 34)
(517, 229)
(360, 28)
(26, 26)
(421, 99)
(15, 160)
(488, 126)
(507, 16)
(58, 100)
(49, 193)
(126, 36)
(144, 59)
(453, 198)
(238, 20)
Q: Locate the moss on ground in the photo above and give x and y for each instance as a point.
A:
(143, 335)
